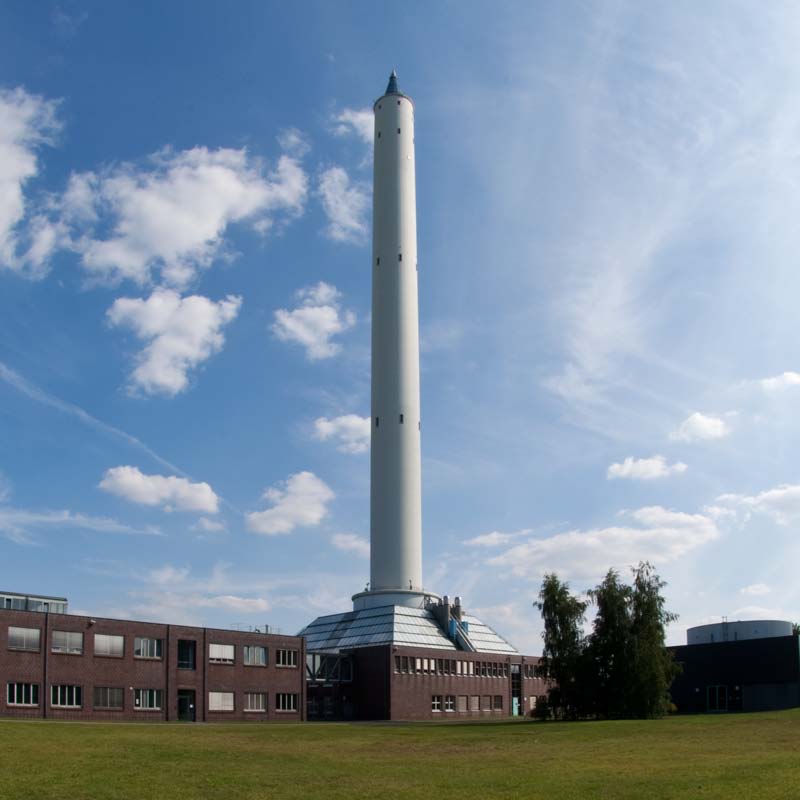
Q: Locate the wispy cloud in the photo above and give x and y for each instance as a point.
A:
(345, 204)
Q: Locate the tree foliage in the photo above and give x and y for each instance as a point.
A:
(622, 669)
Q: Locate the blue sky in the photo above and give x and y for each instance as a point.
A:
(607, 212)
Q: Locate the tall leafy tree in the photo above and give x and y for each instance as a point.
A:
(653, 667)
(607, 672)
(563, 616)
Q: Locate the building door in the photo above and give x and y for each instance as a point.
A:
(187, 711)
(716, 698)
(516, 690)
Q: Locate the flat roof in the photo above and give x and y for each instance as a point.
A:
(33, 595)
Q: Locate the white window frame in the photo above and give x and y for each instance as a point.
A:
(148, 699)
(221, 653)
(21, 688)
(261, 704)
(105, 644)
(71, 643)
(66, 695)
(249, 649)
(153, 647)
(449, 702)
(286, 702)
(221, 701)
(436, 703)
(286, 659)
(26, 634)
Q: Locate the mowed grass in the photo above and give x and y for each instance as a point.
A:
(735, 756)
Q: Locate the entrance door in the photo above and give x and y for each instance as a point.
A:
(186, 705)
(516, 690)
(717, 698)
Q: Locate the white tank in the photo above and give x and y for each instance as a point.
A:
(395, 495)
(737, 631)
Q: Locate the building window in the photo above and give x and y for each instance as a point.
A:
(220, 701)
(285, 702)
(397, 663)
(146, 648)
(23, 639)
(462, 703)
(486, 702)
(436, 702)
(401, 419)
(187, 654)
(255, 656)
(108, 699)
(221, 653)
(286, 658)
(498, 702)
(399, 256)
(63, 696)
(105, 645)
(379, 134)
(398, 130)
(474, 703)
(147, 699)
(67, 642)
(23, 694)
(255, 701)
(450, 702)
(378, 261)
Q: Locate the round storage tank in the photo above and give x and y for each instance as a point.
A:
(737, 631)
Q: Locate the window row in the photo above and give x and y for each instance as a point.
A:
(463, 703)
(448, 666)
(533, 671)
(106, 698)
(71, 643)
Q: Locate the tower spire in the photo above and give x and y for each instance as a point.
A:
(392, 87)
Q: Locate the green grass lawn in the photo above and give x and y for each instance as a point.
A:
(736, 756)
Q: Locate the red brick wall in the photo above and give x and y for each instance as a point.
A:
(46, 668)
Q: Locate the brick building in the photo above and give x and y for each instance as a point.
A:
(62, 666)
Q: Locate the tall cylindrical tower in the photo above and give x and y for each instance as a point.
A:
(395, 499)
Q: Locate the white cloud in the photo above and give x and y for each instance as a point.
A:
(352, 543)
(172, 216)
(180, 334)
(293, 142)
(351, 432)
(755, 589)
(345, 206)
(493, 539)
(783, 381)
(15, 523)
(645, 469)
(315, 321)
(209, 525)
(172, 493)
(660, 536)
(358, 121)
(700, 426)
(301, 502)
(781, 503)
(168, 575)
(27, 121)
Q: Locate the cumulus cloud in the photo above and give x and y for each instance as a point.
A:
(700, 426)
(293, 142)
(16, 523)
(351, 543)
(315, 321)
(785, 380)
(345, 205)
(170, 216)
(206, 525)
(27, 122)
(171, 493)
(781, 503)
(755, 589)
(656, 534)
(354, 121)
(302, 501)
(180, 332)
(493, 539)
(645, 469)
(351, 432)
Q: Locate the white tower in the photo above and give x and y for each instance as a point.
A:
(395, 499)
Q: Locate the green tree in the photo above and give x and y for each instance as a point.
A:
(607, 672)
(652, 666)
(564, 645)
